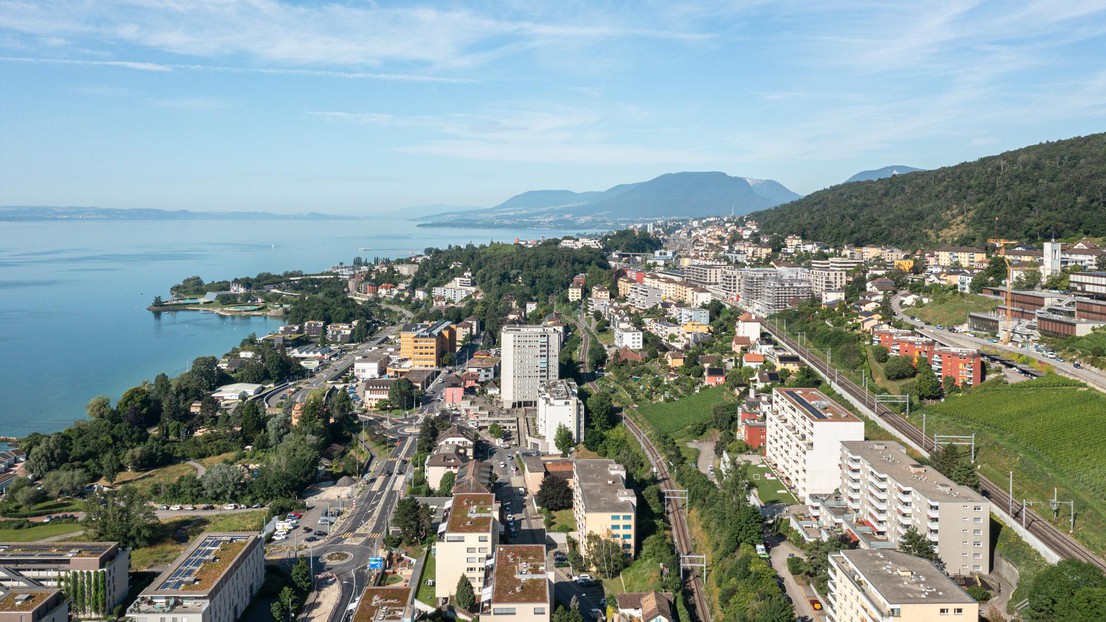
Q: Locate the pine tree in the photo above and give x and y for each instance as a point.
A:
(465, 597)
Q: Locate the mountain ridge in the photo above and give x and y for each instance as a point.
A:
(881, 173)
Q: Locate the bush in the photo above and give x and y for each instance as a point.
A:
(977, 593)
(899, 368)
(795, 566)
(880, 354)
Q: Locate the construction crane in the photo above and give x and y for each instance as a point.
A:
(1008, 297)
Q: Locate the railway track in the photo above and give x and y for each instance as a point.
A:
(1061, 543)
(681, 533)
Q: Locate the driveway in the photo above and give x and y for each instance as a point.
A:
(800, 595)
(706, 455)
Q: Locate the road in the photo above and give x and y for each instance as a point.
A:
(698, 609)
(960, 340)
(1060, 542)
(800, 595)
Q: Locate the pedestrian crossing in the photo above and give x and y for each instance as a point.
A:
(361, 534)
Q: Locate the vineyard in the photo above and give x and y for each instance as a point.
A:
(1049, 432)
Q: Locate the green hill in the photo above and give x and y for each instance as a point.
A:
(1055, 189)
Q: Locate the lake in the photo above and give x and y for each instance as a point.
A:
(73, 297)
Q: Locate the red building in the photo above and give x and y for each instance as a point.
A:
(714, 376)
(752, 428)
(964, 366)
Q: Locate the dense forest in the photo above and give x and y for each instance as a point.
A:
(509, 273)
(1055, 189)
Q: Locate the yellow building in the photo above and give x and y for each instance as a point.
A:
(575, 292)
(426, 345)
(906, 265)
(695, 327)
(603, 505)
(884, 584)
(960, 256)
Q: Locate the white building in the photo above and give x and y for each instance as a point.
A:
(213, 580)
(892, 492)
(803, 439)
(517, 587)
(372, 365)
(748, 326)
(531, 358)
(558, 404)
(626, 336)
(644, 296)
(48, 563)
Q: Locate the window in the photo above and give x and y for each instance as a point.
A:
(539, 611)
(483, 549)
(470, 560)
(977, 532)
(627, 517)
(978, 544)
(626, 536)
(615, 527)
(977, 555)
(978, 508)
(471, 549)
(958, 611)
(944, 611)
(454, 538)
(614, 516)
(978, 519)
(483, 538)
(504, 611)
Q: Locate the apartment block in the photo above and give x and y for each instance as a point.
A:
(960, 256)
(519, 585)
(878, 585)
(804, 432)
(575, 292)
(891, 492)
(54, 564)
(467, 539)
(603, 505)
(33, 604)
(531, 358)
(626, 336)
(705, 274)
(824, 280)
(426, 344)
(559, 404)
(963, 365)
(684, 315)
(213, 580)
(641, 296)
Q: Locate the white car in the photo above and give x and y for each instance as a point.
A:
(174, 508)
(280, 535)
(230, 506)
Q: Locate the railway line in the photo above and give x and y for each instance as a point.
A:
(676, 516)
(1061, 543)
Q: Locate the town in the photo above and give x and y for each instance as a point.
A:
(687, 420)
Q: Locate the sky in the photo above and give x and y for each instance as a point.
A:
(365, 107)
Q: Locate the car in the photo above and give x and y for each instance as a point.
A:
(307, 527)
(230, 506)
(324, 521)
(1060, 358)
(208, 507)
(296, 514)
(320, 533)
(815, 604)
(175, 508)
(522, 491)
(1077, 365)
(190, 508)
(163, 507)
(310, 539)
(559, 556)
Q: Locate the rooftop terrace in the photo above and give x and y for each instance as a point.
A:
(816, 406)
(471, 513)
(382, 604)
(519, 574)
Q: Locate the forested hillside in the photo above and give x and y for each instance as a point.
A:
(1055, 189)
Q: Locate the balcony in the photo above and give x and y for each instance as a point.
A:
(877, 493)
(903, 498)
(933, 513)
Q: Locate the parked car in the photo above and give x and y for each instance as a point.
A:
(208, 507)
(324, 521)
(174, 508)
(815, 604)
(280, 535)
(190, 508)
(230, 506)
(163, 507)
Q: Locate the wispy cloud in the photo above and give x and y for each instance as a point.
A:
(122, 64)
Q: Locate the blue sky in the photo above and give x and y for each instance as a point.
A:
(362, 107)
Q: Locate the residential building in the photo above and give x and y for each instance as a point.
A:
(602, 504)
(891, 492)
(463, 439)
(803, 440)
(875, 584)
(626, 336)
(28, 603)
(824, 280)
(684, 315)
(467, 539)
(50, 563)
(749, 327)
(372, 365)
(426, 344)
(383, 604)
(444, 459)
(531, 358)
(641, 296)
(213, 580)
(559, 404)
(960, 256)
(575, 292)
(599, 292)
(485, 367)
(518, 584)
(714, 376)
(705, 274)
(645, 607)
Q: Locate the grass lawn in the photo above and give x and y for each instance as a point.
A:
(165, 550)
(563, 517)
(644, 575)
(671, 417)
(1048, 432)
(13, 510)
(30, 534)
(211, 461)
(426, 592)
(951, 309)
(895, 387)
(1027, 560)
(769, 489)
(148, 481)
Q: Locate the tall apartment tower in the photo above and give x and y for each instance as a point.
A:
(531, 358)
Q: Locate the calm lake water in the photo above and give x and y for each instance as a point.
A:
(73, 297)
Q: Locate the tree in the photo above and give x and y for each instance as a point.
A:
(496, 430)
(899, 368)
(928, 386)
(67, 482)
(48, 455)
(806, 377)
(301, 575)
(605, 554)
(445, 487)
(563, 439)
(222, 482)
(121, 516)
(880, 354)
(284, 606)
(30, 496)
(554, 494)
(402, 393)
(465, 597)
(412, 519)
(955, 464)
(600, 411)
(252, 420)
(1070, 590)
(914, 543)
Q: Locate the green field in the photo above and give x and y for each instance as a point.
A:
(426, 592)
(671, 417)
(1048, 432)
(951, 309)
(30, 534)
(769, 489)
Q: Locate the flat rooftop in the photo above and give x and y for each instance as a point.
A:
(890, 458)
(519, 574)
(16, 553)
(902, 579)
(202, 565)
(471, 513)
(379, 604)
(558, 390)
(24, 598)
(602, 486)
(815, 406)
